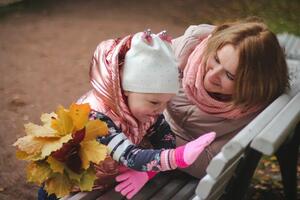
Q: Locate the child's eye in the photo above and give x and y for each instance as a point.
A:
(154, 102)
(230, 76)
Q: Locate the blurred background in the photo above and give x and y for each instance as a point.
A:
(46, 47)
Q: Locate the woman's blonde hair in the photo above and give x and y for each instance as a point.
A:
(262, 73)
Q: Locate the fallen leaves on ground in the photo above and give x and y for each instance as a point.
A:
(267, 183)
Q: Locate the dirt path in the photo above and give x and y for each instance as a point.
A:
(45, 54)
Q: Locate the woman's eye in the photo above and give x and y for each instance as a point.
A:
(230, 76)
(216, 58)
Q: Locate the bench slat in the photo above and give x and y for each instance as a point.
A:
(83, 195)
(110, 194)
(170, 189)
(291, 44)
(276, 132)
(153, 186)
(219, 164)
(187, 191)
(208, 184)
(294, 74)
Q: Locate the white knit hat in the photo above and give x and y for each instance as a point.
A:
(150, 65)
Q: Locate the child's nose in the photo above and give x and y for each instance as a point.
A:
(159, 110)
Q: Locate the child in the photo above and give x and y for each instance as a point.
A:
(133, 79)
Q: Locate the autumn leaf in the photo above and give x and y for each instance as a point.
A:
(34, 145)
(58, 184)
(40, 131)
(51, 145)
(95, 128)
(72, 175)
(22, 155)
(91, 151)
(63, 124)
(38, 172)
(79, 114)
(29, 144)
(46, 118)
(87, 180)
(55, 165)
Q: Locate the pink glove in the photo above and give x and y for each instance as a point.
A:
(187, 154)
(132, 181)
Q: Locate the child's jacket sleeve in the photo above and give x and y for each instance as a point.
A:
(124, 151)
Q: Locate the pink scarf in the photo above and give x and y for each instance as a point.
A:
(105, 78)
(193, 76)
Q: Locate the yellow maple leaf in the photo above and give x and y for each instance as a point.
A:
(59, 184)
(40, 145)
(46, 118)
(55, 165)
(74, 177)
(63, 124)
(40, 131)
(22, 155)
(80, 114)
(95, 128)
(38, 172)
(87, 180)
(53, 144)
(91, 151)
(30, 144)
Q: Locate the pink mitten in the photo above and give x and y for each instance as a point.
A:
(132, 181)
(187, 154)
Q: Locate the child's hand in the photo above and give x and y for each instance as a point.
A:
(187, 154)
(132, 182)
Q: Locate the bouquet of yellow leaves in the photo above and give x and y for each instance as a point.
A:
(62, 150)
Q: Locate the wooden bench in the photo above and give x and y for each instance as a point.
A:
(275, 131)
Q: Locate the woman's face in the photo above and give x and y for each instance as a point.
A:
(221, 69)
(144, 106)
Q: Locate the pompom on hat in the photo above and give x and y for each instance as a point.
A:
(150, 65)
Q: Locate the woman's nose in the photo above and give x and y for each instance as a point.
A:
(216, 70)
(215, 73)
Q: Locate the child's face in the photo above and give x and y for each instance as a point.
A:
(143, 106)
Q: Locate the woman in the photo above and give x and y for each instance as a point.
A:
(230, 73)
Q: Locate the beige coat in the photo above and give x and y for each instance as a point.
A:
(187, 120)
